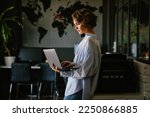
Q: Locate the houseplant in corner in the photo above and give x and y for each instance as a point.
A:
(8, 20)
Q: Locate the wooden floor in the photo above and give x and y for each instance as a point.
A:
(119, 96)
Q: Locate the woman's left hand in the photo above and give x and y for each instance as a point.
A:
(56, 69)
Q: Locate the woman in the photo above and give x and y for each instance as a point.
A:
(82, 82)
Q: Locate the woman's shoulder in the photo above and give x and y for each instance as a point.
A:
(91, 37)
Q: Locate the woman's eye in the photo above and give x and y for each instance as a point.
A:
(76, 24)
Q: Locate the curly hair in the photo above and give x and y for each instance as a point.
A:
(86, 17)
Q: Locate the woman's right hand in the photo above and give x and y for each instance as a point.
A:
(67, 64)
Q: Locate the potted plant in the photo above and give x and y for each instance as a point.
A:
(8, 19)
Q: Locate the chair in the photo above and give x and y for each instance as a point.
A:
(47, 77)
(20, 75)
(60, 85)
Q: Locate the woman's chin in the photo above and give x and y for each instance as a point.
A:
(80, 33)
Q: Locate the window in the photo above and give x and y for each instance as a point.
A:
(132, 28)
(144, 27)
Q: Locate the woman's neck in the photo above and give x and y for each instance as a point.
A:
(90, 31)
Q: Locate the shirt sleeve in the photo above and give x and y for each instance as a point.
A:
(88, 66)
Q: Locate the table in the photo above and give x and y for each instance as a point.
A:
(9, 67)
(5, 77)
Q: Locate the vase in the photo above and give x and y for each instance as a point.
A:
(9, 60)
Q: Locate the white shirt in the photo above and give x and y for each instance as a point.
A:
(88, 56)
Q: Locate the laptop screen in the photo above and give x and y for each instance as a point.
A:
(52, 57)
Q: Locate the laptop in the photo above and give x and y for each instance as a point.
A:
(52, 58)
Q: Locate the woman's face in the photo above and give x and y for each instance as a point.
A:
(79, 27)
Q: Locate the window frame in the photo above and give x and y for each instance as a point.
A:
(120, 5)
